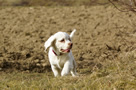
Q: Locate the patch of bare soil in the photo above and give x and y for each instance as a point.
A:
(103, 33)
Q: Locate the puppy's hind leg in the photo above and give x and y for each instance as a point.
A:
(73, 70)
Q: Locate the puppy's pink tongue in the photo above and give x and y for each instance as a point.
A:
(67, 50)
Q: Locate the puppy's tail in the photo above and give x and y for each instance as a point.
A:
(72, 33)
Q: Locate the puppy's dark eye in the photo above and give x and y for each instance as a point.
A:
(62, 40)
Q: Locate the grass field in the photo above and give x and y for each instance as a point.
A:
(113, 76)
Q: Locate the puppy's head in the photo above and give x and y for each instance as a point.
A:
(60, 41)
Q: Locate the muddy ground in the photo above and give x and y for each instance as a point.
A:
(103, 33)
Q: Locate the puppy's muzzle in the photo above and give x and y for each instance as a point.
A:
(70, 45)
(68, 48)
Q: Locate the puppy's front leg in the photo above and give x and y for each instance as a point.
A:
(66, 69)
(55, 71)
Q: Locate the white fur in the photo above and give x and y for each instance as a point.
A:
(62, 61)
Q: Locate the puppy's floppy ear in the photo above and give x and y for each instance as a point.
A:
(72, 33)
(49, 42)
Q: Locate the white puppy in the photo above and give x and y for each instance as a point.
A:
(60, 54)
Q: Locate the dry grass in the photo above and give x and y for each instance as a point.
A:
(119, 74)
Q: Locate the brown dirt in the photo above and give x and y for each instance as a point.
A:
(103, 33)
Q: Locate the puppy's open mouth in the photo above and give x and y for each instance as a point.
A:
(65, 50)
